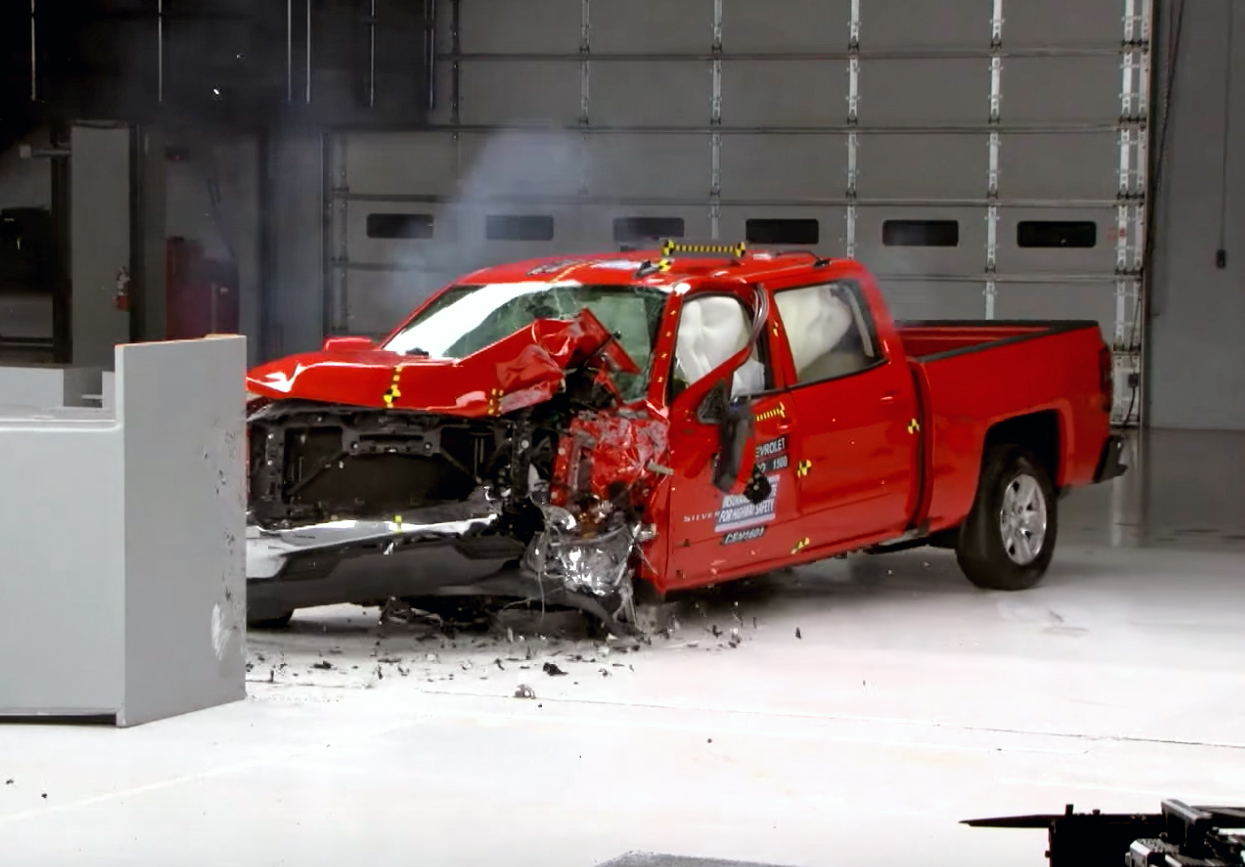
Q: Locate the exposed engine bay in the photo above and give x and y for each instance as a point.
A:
(556, 491)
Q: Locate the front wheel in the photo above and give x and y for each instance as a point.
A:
(1008, 539)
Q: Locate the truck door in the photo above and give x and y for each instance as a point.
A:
(857, 411)
(716, 536)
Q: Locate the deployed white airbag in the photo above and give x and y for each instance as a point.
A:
(711, 330)
(816, 321)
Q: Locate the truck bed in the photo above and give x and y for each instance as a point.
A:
(973, 376)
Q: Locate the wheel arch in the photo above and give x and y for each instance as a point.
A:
(1040, 433)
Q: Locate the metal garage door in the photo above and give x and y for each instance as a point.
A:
(987, 158)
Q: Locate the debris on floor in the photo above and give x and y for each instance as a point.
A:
(524, 691)
(552, 670)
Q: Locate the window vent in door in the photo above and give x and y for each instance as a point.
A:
(782, 231)
(1070, 234)
(628, 229)
(518, 227)
(921, 233)
(399, 226)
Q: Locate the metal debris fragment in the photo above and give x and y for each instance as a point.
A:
(497, 662)
(323, 665)
(524, 691)
(797, 633)
(552, 670)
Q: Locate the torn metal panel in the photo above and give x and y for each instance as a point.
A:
(521, 370)
(268, 551)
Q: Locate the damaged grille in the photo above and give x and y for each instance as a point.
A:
(314, 464)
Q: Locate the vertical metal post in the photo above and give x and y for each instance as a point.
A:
(371, 76)
(62, 281)
(853, 137)
(289, 51)
(456, 49)
(308, 52)
(1132, 189)
(585, 90)
(992, 174)
(456, 83)
(336, 233)
(430, 28)
(34, 57)
(715, 121)
(159, 51)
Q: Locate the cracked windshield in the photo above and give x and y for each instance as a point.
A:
(466, 319)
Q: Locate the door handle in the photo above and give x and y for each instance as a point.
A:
(784, 425)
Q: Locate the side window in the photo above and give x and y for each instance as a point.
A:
(712, 328)
(829, 330)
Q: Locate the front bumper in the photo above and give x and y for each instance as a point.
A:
(368, 562)
(1109, 462)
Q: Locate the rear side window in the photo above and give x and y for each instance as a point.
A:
(829, 331)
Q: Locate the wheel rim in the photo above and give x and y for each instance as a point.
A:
(1022, 520)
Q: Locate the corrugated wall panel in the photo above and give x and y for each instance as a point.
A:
(1009, 120)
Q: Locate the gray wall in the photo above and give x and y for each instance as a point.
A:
(1198, 310)
(293, 300)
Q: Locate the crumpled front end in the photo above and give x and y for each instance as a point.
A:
(540, 497)
(598, 527)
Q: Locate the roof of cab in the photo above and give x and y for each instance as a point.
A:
(623, 268)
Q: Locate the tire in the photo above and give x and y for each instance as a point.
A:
(1008, 539)
(271, 623)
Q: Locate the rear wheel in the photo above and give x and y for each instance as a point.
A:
(1008, 539)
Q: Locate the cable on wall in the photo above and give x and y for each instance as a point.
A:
(1221, 254)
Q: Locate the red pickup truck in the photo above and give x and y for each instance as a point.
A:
(592, 431)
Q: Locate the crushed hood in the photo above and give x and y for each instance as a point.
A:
(526, 368)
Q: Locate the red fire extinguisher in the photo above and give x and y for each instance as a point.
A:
(121, 300)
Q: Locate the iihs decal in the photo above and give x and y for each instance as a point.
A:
(737, 513)
(738, 536)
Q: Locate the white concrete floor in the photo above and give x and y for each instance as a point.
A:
(909, 702)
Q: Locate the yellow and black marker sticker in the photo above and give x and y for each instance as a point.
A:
(669, 248)
(393, 392)
(803, 468)
(779, 411)
(494, 401)
(800, 546)
(914, 426)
